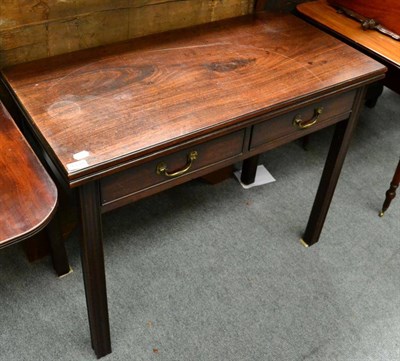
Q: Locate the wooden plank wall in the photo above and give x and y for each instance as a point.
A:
(33, 29)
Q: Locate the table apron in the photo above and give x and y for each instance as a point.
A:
(139, 181)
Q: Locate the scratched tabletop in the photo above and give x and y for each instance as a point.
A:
(120, 102)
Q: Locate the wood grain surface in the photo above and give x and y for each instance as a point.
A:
(28, 196)
(34, 29)
(386, 12)
(384, 46)
(127, 100)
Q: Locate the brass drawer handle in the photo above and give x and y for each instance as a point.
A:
(304, 124)
(162, 167)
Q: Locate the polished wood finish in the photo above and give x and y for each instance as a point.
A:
(326, 15)
(372, 43)
(28, 196)
(386, 12)
(124, 187)
(134, 104)
(282, 126)
(391, 192)
(112, 92)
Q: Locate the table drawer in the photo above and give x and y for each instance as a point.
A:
(172, 166)
(302, 121)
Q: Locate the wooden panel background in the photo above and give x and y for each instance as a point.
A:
(33, 29)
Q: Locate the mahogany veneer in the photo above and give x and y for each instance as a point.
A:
(28, 196)
(386, 12)
(224, 91)
(374, 44)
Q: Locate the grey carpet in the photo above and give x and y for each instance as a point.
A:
(210, 273)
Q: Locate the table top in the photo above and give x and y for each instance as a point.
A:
(96, 109)
(28, 196)
(384, 46)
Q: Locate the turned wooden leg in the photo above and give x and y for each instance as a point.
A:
(57, 247)
(93, 268)
(249, 170)
(330, 175)
(391, 192)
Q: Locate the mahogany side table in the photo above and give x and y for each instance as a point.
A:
(128, 120)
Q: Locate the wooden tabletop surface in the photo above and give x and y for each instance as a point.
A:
(104, 106)
(28, 197)
(381, 44)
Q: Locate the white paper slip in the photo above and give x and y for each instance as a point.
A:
(81, 155)
(262, 177)
(77, 165)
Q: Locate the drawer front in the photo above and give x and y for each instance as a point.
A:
(303, 121)
(172, 166)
